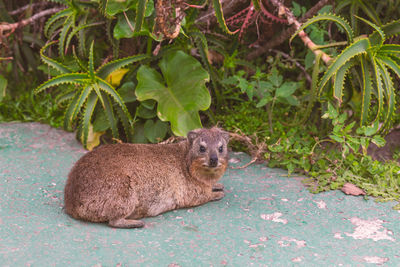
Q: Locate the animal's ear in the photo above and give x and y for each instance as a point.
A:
(225, 135)
(192, 135)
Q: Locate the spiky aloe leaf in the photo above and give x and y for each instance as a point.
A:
(367, 88)
(78, 104)
(342, 4)
(54, 18)
(360, 46)
(390, 29)
(108, 109)
(126, 123)
(379, 86)
(87, 116)
(78, 29)
(69, 78)
(70, 110)
(55, 27)
(109, 89)
(63, 34)
(53, 63)
(66, 96)
(96, 88)
(340, 79)
(389, 93)
(331, 17)
(81, 64)
(108, 68)
(140, 12)
(390, 49)
(369, 11)
(389, 62)
(91, 63)
(377, 29)
(220, 17)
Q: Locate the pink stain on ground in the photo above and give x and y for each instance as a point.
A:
(275, 217)
(321, 204)
(286, 242)
(297, 259)
(375, 259)
(338, 236)
(372, 229)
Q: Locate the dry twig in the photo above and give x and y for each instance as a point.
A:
(304, 37)
(256, 150)
(286, 33)
(13, 26)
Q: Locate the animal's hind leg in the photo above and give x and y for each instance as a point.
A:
(125, 223)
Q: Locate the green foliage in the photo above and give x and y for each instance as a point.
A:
(375, 59)
(354, 93)
(180, 94)
(29, 107)
(86, 89)
(220, 16)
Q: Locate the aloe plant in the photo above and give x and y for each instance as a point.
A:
(370, 56)
(87, 89)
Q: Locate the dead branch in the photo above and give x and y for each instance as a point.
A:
(13, 26)
(286, 33)
(256, 150)
(22, 9)
(304, 37)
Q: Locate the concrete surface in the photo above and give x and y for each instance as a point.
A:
(266, 219)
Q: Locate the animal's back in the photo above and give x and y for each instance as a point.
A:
(123, 173)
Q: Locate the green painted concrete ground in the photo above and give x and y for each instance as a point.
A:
(266, 219)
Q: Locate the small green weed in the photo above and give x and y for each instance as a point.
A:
(30, 107)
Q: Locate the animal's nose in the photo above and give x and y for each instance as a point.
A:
(213, 161)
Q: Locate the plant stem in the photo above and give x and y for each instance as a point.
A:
(13, 26)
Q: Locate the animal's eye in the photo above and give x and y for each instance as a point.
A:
(220, 149)
(202, 149)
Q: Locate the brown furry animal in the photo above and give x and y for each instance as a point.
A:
(122, 183)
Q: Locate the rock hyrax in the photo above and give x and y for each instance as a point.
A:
(122, 183)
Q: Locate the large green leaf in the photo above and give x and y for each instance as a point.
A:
(180, 93)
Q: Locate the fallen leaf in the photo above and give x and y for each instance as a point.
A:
(351, 189)
(93, 138)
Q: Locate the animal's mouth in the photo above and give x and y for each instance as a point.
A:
(208, 166)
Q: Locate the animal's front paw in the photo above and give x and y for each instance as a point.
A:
(218, 187)
(217, 195)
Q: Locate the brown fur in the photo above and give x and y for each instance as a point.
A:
(121, 183)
